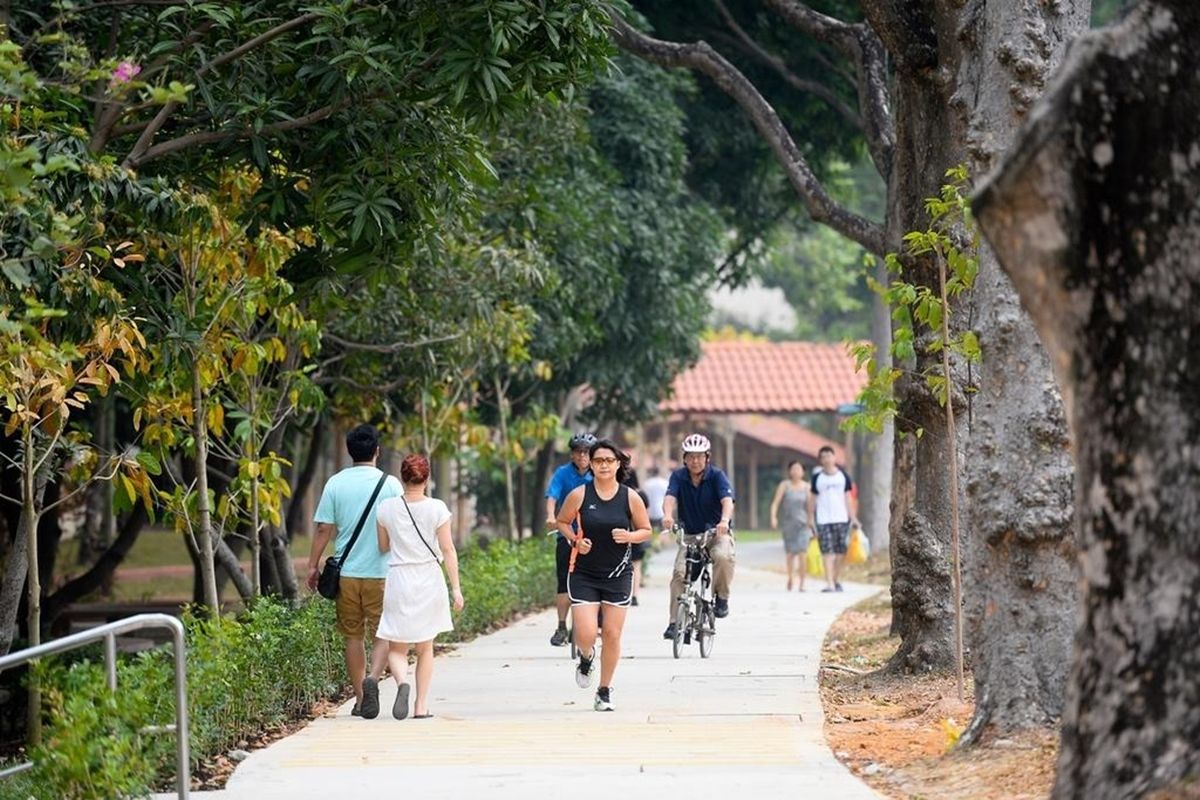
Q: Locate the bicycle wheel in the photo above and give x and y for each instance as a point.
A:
(681, 624)
(707, 629)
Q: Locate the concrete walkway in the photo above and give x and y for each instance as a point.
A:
(511, 723)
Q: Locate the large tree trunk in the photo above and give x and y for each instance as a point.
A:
(926, 146)
(1095, 215)
(1020, 555)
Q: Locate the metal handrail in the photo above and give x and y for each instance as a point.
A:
(109, 634)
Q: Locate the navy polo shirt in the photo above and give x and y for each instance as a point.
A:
(699, 506)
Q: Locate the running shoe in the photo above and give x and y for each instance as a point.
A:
(370, 701)
(583, 673)
(603, 699)
(837, 587)
(669, 633)
(560, 636)
(721, 608)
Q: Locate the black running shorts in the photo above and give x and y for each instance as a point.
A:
(587, 590)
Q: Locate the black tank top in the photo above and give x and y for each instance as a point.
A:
(606, 558)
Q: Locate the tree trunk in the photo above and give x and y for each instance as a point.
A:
(1020, 558)
(30, 516)
(541, 476)
(1096, 218)
(16, 565)
(283, 569)
(204, 532)
(923, 614)
(294, 519)
(228, 560)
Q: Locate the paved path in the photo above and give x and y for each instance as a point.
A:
(511, 723)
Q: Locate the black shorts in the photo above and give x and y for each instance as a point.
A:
(834, 538)
(562, 562)
(637, 551)
(588, 590)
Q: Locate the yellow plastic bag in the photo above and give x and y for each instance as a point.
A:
(812, 559)
(856, 551)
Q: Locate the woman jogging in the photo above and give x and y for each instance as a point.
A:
(611, 518)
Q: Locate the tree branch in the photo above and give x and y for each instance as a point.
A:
(143, 145)
(791, 78)
(212, 137)
(703, 58)
(112, 111)
(394, 347)
(864, 49)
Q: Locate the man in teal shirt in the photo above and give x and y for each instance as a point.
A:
(360, 593)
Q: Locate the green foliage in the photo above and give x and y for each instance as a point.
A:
(921, 313)
(96, 744)
(822, 274)
(268, 666)
(500, 581)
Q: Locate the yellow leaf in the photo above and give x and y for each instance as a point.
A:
(216, 419)
(952, 730)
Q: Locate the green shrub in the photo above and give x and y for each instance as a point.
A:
(269, 665)
(500, 581)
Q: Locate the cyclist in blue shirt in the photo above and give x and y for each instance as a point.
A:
(566, 479)
(703, 497)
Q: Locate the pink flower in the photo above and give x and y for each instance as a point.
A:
(125, 72)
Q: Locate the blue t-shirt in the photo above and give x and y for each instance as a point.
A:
(565, 480)
(342, 502)
(699, 506)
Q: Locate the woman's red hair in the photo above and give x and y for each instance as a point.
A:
(414, 469)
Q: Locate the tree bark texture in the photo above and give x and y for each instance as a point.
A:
(1020, 556)
(922, 607)
(1095, 215)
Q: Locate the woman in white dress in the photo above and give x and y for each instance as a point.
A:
(415, 530)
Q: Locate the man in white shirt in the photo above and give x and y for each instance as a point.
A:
(655, 488)
(832, 508)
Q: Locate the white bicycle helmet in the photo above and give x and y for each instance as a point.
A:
(696, 443)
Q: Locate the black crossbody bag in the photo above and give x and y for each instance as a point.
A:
(418, 529)
(331, 575)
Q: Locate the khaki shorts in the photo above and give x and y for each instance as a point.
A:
(359, 605)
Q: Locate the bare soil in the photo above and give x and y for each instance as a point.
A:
(897, 732)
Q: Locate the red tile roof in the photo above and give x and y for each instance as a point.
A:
(766, 377)
(785, 435)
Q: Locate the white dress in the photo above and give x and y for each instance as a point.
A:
(416, 603)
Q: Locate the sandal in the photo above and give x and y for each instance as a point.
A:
(422, 716)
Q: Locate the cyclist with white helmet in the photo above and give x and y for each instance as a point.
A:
(566, 478)
(702, 496)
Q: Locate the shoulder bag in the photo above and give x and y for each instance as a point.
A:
(331, 575)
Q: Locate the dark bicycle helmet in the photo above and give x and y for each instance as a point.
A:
(582, 441)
